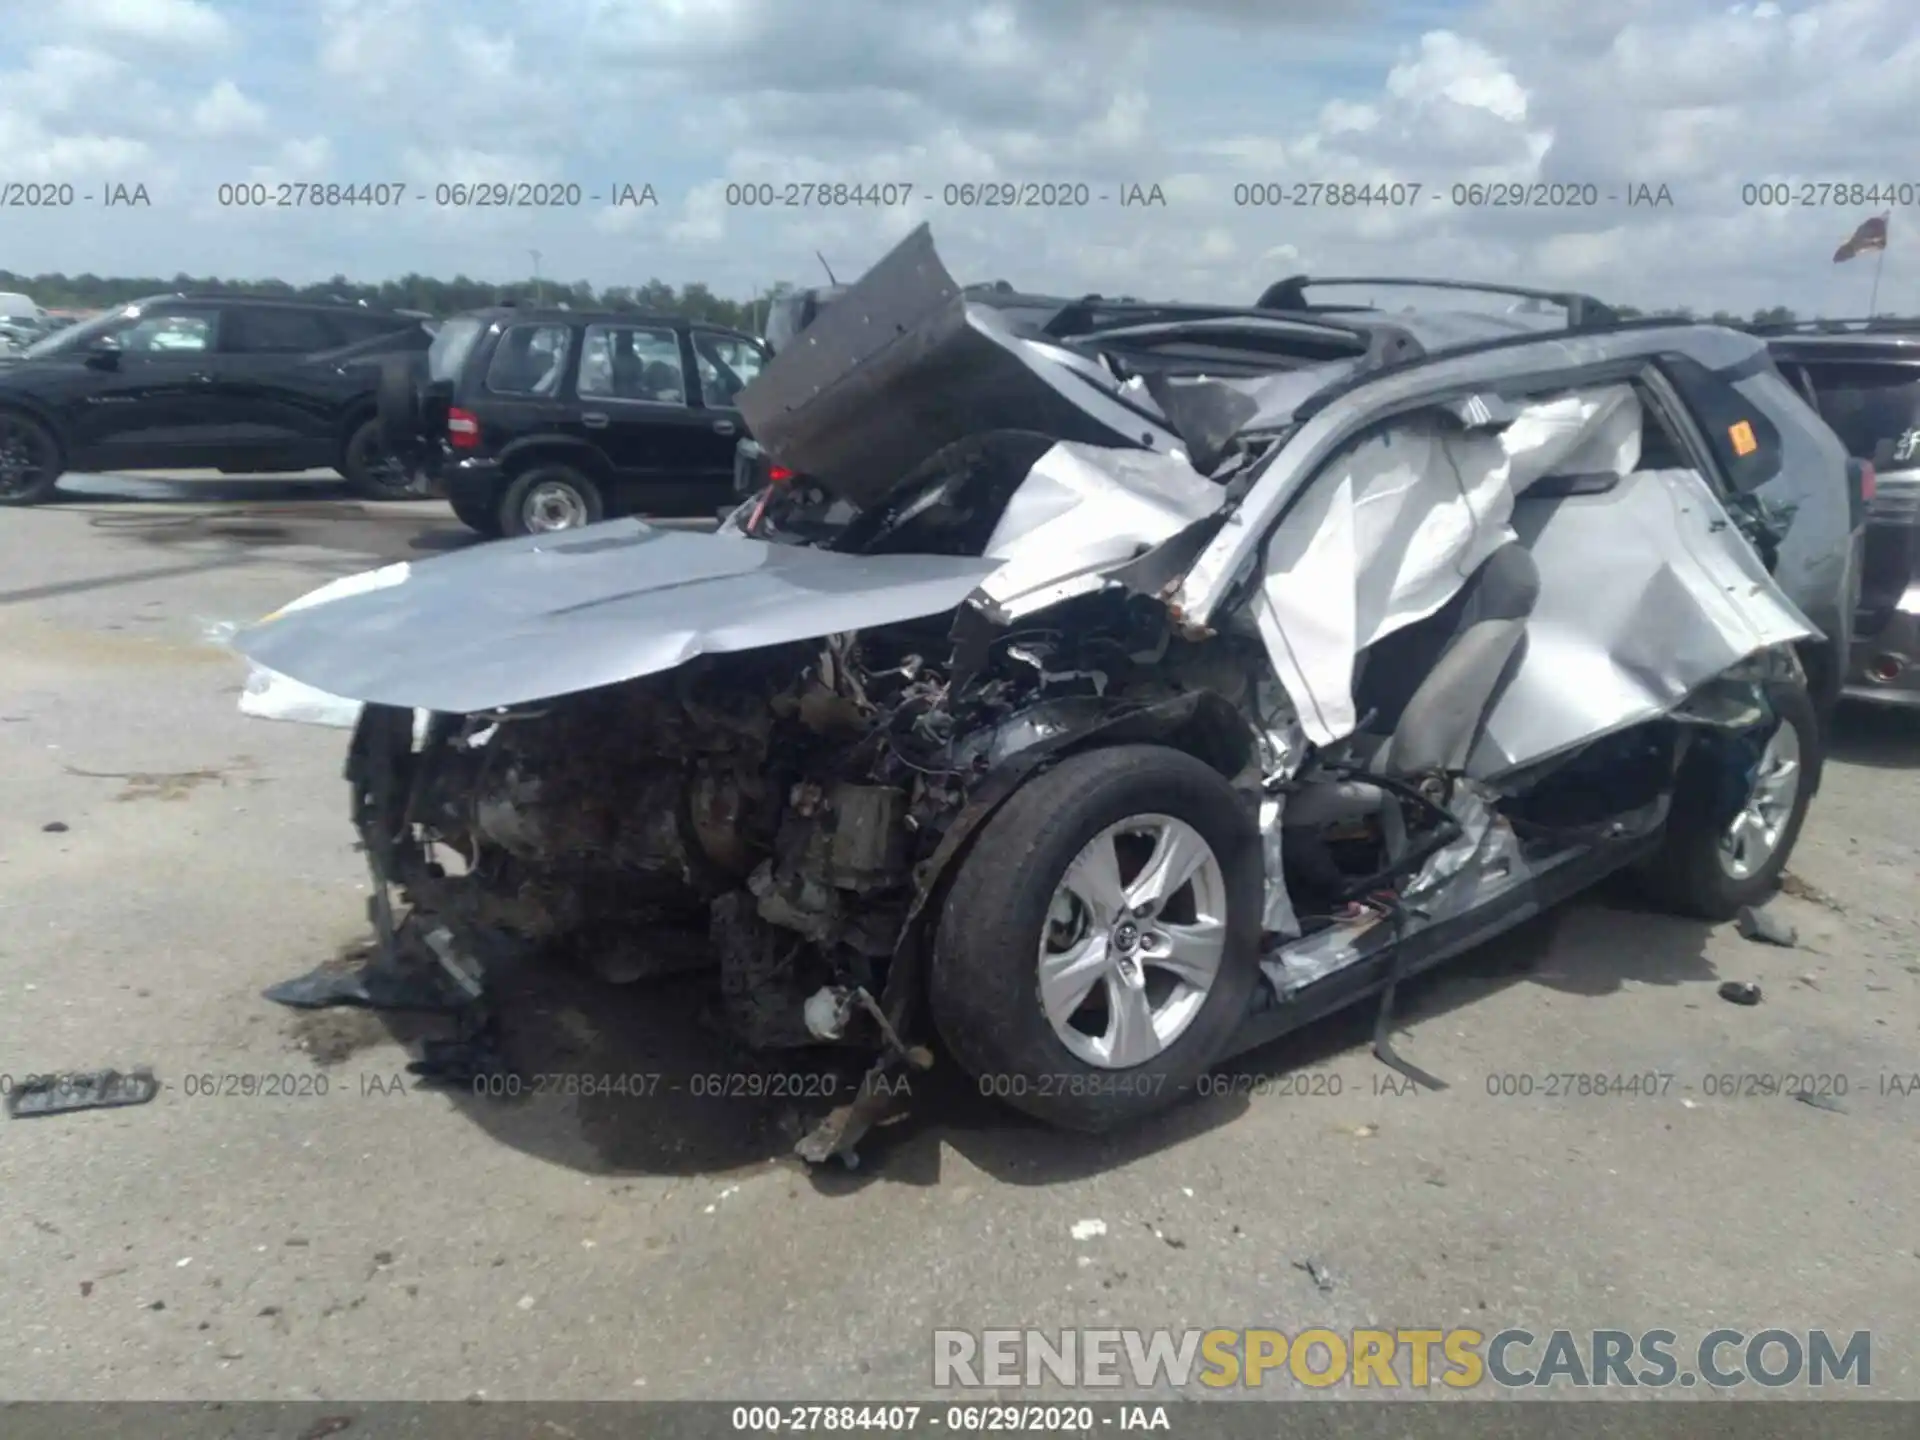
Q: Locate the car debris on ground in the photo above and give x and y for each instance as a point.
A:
(68, 1091)
(1763, 924)
(1096, 713)
(1322, 1277)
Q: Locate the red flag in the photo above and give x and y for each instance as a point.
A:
(1872, 235)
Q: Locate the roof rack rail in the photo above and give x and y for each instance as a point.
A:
(1095, 312)
(1583, 311)
(1851, 325)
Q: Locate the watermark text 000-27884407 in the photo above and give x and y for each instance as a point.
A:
(445, 195)
(1064, 194)
(1365, 195)
(1401, 1358)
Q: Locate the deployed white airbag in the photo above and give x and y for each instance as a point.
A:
(1395, 525)
(1646, 593)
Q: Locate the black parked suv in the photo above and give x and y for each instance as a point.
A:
(236, 383)
(1864, 378)
(534, 420)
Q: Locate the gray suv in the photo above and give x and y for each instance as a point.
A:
(1125, 688)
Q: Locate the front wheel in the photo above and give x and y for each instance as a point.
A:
(1737, 813)
(1100, 944)
(29, 460)
(372, 470)
(549, 498)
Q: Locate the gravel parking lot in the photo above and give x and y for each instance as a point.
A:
(163, 858)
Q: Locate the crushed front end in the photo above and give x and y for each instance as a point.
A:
(778, 821)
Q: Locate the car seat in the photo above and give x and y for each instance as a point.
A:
(628, 372)
(1425, 691)
(663, 382)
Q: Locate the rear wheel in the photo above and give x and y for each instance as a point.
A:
(550, 498)
(1099, 946)
(373, 470)
(397, 403)
(29, 460)
(1736, 816)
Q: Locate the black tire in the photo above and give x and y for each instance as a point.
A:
(483, 519)
(30, 460)
(514, 508)
(371, 469)
(1687, 874)
(983, 989)
(397, 404)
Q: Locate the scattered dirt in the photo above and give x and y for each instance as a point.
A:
(165, 784)
(1792, 884)
(333, 1036)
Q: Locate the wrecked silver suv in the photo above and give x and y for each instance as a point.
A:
(1106, 696)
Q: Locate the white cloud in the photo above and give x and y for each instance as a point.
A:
(225, 113)
(181, 24)
(1696, 95)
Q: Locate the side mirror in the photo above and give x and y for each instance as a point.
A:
(103, 357)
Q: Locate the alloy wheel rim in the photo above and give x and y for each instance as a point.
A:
(1754, 834)
(554, 506)
(1133, 943)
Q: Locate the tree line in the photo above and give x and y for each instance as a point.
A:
(410, 292)
(446, 297)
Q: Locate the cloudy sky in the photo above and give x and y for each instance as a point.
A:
(1203, 99)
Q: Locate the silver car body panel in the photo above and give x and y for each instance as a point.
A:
(522, 620)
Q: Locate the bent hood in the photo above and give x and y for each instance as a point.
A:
(517, 621)
(902, 366)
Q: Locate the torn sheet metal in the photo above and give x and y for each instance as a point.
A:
(901, 366)
(1281, 747)
(1647, 592)
(1483, 858)
(546, 615)
(1394, 528)
(1084, 509)
(1277, 916)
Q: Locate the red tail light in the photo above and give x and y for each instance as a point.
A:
(463, 429)
(1868, 483)
(778, 474)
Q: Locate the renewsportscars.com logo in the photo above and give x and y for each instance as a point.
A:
(1396, 1359)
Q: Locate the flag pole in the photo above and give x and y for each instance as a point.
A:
(1879, 263)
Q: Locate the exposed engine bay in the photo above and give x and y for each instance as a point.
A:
(774, 816)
